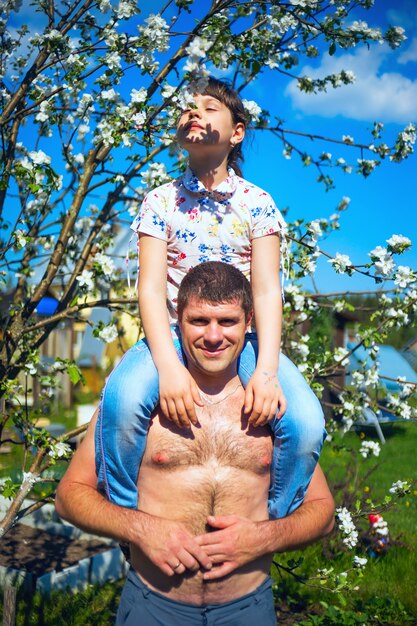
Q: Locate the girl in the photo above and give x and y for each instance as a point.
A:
(209, 213)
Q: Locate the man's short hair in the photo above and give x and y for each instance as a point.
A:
(217, 283)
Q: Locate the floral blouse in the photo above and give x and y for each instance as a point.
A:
(201, 225)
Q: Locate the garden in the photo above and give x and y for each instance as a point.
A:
(90, 96)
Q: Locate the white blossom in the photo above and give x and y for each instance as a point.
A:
(59, 450)
(198, 47)
(108, 333)
(191, 66)
(297, 298)
(315, 228)
(105, 263)
(404, 276)
(369, 447)
(372, 376)
(398, 243)
(83, 130)
(113, 60)
(340, 262)
(378, 253)
(124, 10)
(39, 157)
(42, 116)
(155, 175)
(109, 94)
(339, 305)
(359, 561)
(168, 91)
(252, 109)
(383, 261)
(156, 32)
(85, 279)
(300, 348)
(358, 378)
(347, 527)
(31, 368)
(137, 96)
(341, 355)
(20, 239)
(399, 487)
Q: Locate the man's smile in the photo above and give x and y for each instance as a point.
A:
(213, 352)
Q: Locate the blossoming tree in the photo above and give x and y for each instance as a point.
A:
(89, 104)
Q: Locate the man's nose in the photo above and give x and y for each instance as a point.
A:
(213, 333)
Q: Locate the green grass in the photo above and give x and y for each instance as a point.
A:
(96, 606)
(11, 463)
(386, 593)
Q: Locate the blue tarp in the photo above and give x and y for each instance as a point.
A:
(391, 364)
(47, 306)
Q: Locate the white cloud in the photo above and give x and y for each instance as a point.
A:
(410, 54)
(376, 95)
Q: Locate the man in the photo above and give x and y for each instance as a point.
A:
(201, 542)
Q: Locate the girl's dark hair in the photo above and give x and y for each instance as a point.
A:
(222, 91)
(217, 283)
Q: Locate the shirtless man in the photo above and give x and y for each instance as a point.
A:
(201, 541)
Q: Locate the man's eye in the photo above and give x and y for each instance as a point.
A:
(228, 322)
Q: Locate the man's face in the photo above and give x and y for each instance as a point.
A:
(213, 336)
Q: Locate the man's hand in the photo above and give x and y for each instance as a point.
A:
(236, 543)
(170, 546)
(263, 397)
(178, 393)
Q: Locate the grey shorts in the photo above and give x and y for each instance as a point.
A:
(140, 606)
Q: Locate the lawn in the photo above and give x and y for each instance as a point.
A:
(386, 593)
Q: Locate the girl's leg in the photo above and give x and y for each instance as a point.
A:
(298, 435)
(128, 400)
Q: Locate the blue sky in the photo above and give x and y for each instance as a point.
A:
(386, 91)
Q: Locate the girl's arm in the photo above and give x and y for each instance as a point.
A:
(263, 394)
(177, 390)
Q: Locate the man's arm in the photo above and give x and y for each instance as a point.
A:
(165, 542)
(239, 540)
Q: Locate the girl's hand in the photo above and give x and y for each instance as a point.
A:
(178, 393)
(264, 398)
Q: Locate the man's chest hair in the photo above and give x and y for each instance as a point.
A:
(217, 441)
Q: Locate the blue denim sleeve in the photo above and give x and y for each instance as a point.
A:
(298, 435)
(127, 402)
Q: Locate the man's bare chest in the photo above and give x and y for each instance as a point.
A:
(218, 440)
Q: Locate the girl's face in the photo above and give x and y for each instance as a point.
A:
(210, 124)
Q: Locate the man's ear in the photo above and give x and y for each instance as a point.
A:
(249, 321)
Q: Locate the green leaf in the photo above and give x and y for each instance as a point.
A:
(75, 374)
(332, 48)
